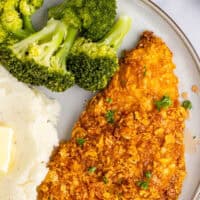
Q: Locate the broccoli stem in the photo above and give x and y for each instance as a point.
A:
(27, 30)
(49, 48)
(28, 26)
(44, 36)
(21, 34)
(116, 35)
(61, 56)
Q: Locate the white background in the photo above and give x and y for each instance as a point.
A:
(186, 13)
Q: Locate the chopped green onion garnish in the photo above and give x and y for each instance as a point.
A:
(143, 185)
(105, 180)
(110, 116)
(187, 104)
(109, 100)
(80, 141)
(148, 174)
(165, 102)
(92, 169)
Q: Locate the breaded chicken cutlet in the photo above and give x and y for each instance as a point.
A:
(128, 143)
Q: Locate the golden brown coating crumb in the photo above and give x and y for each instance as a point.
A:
(184, 95)
(125, 136)
(195, 89)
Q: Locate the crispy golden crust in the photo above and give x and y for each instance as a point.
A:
(141, 138)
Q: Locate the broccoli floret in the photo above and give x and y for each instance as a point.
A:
(3, 34)
(97, 16)
(6, 36)
(2, 5)
(93, 64)
(15, 16)
(40, 59)
(12, 22)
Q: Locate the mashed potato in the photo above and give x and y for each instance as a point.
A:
(33, 117)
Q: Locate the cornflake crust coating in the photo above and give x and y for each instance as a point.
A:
(123, 146)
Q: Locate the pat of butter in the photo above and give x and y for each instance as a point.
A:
(6, 138)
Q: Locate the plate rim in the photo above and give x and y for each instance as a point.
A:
(187, 43)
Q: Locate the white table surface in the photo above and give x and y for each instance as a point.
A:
(186, 13)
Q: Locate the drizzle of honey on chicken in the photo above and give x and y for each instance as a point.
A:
(138, 139)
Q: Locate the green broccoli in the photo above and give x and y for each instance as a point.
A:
(93, 64)
(3, 34)
(27, 9)
(40, 59)
(15, 16)
(97, 16)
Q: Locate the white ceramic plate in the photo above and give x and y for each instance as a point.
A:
(146, 16)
